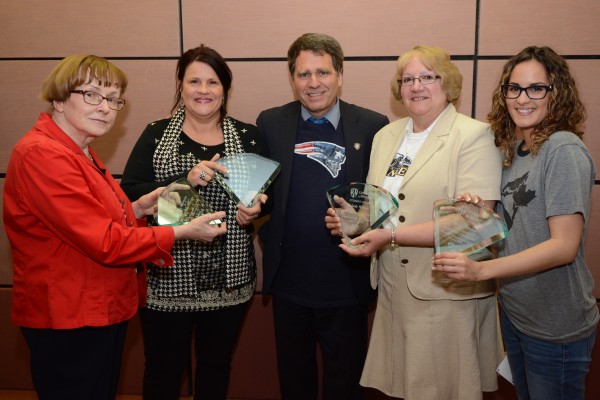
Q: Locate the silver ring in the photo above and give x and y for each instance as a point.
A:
(203, 175)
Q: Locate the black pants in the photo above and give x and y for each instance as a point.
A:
(167, 347)
(75, 364)
(342, 334)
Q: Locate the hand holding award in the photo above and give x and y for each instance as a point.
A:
(179, 203)
(249, 176)
(360, 208)
(465, 227)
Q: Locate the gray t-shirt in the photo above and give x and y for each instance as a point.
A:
(556, 305)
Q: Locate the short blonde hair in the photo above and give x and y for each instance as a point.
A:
(436, 59)
(76, 70)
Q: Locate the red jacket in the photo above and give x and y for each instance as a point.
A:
(71, 230)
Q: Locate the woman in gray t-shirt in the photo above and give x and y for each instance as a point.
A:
(549, 314)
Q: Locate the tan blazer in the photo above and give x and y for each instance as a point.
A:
(458, 156)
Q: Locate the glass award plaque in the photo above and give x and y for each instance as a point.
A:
(464, 227)
(179, 203)
(249, 175)
(360, 208)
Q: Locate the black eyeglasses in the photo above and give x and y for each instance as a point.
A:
(423, 79)
(535, 92)
(95, 98)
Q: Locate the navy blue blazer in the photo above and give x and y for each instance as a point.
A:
(278, 126)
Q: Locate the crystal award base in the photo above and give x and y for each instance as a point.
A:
(465, 227)
(360, 207)
(179, 203)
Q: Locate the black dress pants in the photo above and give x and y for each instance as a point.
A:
(340, 332)
(167, 347)
(75, 364)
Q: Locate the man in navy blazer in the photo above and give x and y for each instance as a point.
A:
(319, 294)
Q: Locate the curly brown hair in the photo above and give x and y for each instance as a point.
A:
(566, 112)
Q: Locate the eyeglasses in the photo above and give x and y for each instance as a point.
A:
(423, 79)
(95, 98)
(536, 92)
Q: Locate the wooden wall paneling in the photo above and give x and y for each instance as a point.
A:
(570, 27)
(6, 273)
(257, 86)
(587, 77)
(20, 105)
(592, 250)
(488, 76)
(368, 84)
(377, 28)
(35, 28)
(14, 367)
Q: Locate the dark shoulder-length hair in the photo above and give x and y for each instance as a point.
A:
(208, 56)
(566, 112)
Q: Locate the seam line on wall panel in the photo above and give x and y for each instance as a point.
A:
(566, 56)
(279, 59)
(180, 28)
(108, 58)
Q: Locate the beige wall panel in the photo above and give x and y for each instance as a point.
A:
(257, 86)
(149, 97)
(592, 250)
(587, 77)
(488, 75)
(259, 28)
(112, 28)
(19, 105)
(571, 27)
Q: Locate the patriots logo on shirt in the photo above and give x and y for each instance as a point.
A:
(329, 155)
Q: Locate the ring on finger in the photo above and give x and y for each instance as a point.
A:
(203, 175)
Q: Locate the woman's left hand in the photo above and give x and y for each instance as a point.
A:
(147, 204)
(203, 172)
(245, 215)
(458, 266)
(368, 243)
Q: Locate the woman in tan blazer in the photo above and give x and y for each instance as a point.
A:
(432, 338)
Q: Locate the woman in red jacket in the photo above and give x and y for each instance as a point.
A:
(75, 237)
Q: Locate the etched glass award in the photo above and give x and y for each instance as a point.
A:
(465, 227)
(249, 175)
(179, 203)
(360, 208)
